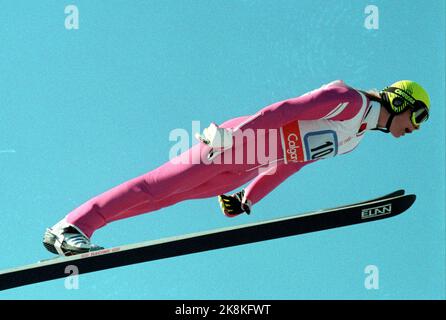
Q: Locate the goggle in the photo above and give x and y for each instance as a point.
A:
(420, 113)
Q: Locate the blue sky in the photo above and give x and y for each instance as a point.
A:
(84, 110)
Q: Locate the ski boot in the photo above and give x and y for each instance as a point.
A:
(66, 239)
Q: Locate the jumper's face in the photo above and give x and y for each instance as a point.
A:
(402, 124)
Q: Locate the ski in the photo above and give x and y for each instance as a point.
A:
(361, 212)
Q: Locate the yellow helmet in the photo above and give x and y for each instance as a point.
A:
(405, 94)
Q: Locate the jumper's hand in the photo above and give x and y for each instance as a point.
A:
(215, 137)
(234, 205)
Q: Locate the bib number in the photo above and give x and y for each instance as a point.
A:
(321, 144)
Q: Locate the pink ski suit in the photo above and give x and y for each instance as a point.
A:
(320, 124)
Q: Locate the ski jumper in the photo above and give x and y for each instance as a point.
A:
(317, 125)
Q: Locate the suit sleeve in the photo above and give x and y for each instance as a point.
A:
(267, 181)
(334, 102)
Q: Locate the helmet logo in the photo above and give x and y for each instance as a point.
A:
(397, 102)
(402, 93)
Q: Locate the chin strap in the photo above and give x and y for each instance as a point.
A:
(388, 124)
(384, 102)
